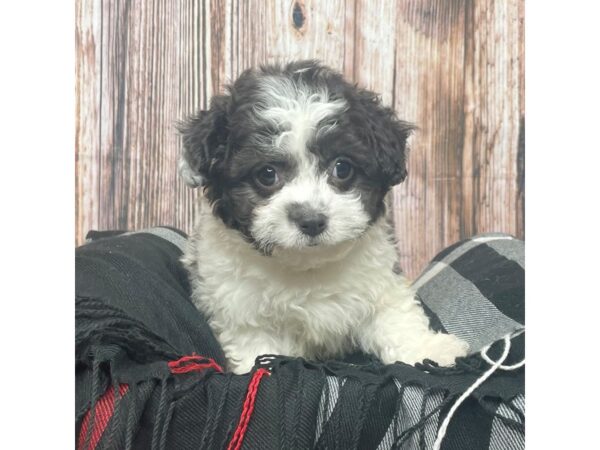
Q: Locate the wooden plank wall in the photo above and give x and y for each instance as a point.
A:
(453, 67)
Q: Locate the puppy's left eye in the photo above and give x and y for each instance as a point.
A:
(343, 170)
(267, 176)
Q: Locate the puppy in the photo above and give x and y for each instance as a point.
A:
(292, 253)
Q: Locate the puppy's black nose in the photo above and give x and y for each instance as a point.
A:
(313, 225)
(309, 221)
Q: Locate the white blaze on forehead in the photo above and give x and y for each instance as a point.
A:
(298, 111)
(302, 113)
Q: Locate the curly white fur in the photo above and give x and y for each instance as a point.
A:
(314, 302)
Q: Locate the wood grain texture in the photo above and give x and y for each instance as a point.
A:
(87, 116)
(453, 67)
(429, 92)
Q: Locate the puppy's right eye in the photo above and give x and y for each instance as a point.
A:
(343, 170)
(267, 176)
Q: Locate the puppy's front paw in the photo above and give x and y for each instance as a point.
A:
(241, 360)
(439, 347)
(241, 365)
(445, 348)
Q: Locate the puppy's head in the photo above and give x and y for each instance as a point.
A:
(295, 157)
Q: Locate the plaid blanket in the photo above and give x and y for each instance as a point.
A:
(148, 369)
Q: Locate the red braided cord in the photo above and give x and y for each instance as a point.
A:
(196, 364)
(247, 409)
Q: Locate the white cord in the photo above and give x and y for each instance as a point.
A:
(487, 359)
(495, 365)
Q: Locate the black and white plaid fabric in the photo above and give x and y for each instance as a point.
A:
(133, 316)
(475, 288)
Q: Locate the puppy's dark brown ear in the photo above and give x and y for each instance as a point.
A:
(204, 138)
(386, 135)
(394, 149)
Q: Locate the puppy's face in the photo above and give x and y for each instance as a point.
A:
(295, 157)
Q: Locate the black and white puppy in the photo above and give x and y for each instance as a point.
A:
(292, 253)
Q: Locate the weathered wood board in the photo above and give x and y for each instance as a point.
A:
(453, 67)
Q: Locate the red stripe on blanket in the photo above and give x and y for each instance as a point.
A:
(104, 409)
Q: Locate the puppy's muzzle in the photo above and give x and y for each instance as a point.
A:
(310, 222)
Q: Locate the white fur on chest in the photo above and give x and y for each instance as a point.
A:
(309, 303)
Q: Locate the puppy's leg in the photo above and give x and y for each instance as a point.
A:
(241, 348)
(399, 331)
